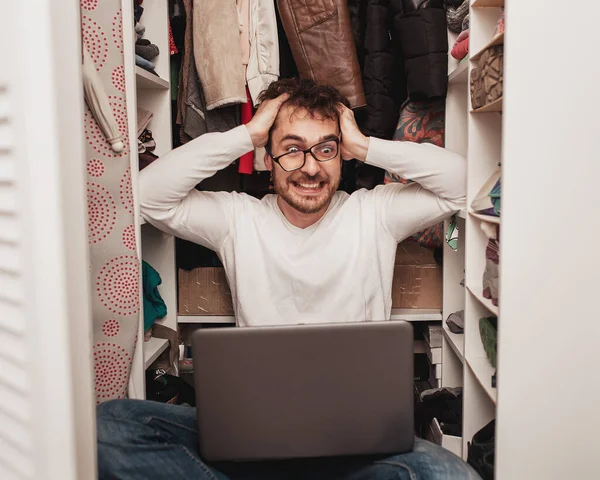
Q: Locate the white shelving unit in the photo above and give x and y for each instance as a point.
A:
(152, 93)
(153, 348)
(477, 135)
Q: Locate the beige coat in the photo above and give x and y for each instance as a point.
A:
(218, 54)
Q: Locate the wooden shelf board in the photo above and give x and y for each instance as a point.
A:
(495, 106)
(153, 348)
(205, 319)
(496, 40)
(461, 73)
(483, 371)
(147, 80)
(416, 314)
(407, 314)
(456, 341)
(488, 3)
(485, 218)
(484, 301)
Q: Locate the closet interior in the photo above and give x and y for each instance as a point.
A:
(447, 305)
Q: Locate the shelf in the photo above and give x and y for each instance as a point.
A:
(205, 319)
(153, 348)
(456, 341)
(406, 314)
(461, 73)
(416, 314)
(485, 218)
(496, 40)
(488, 3)
(484, 301)
(495, 106)
(483, 371)
(147, 80)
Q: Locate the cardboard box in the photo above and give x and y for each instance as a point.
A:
(204, 291)
(417, 284)
(417, 278)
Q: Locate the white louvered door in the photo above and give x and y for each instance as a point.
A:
(47, 425)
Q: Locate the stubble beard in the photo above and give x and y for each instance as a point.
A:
(305, 203)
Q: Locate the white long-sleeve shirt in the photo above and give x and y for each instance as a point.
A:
(338, 270)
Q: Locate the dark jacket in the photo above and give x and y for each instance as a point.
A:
(321, 41)
(421, 33)
(402, 49)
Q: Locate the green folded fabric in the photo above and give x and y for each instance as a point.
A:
(488, 331)
(154, 305)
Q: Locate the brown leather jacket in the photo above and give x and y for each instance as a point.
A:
(322, 44)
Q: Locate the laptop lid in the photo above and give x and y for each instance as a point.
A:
(304, 391)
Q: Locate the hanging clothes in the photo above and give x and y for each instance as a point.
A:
(322, 43)
(246, 162)
(218, 60)
(193, 115)
(263, 61)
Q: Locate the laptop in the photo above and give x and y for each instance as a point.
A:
(304, 391)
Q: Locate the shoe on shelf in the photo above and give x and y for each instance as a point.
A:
(481, 451)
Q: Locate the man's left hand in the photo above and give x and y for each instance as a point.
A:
(354, 143)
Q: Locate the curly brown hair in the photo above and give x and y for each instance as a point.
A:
(307, 94)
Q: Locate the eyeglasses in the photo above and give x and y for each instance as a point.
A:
(295, 158)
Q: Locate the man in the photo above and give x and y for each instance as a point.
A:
(308, 254)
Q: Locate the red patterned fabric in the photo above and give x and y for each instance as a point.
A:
(421, 122)
(172, 47)
(115, 264)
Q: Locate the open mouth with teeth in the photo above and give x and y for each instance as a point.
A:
(309, 187)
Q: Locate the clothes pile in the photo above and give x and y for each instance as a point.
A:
(145, 50)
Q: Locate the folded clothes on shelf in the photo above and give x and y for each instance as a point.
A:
(460, 49)
(146, 142)
(145, 64)
(487, 200)
(491, 272)
(147, 51)
(488, 331)
(487, 78)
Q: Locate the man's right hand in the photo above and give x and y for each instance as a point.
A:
(263, 120)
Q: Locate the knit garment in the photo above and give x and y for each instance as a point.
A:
(149, 52)
(339, 269)
(455, 16)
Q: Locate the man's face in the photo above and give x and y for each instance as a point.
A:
(310, 188)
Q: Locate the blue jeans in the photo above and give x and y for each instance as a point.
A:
(151, 441)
